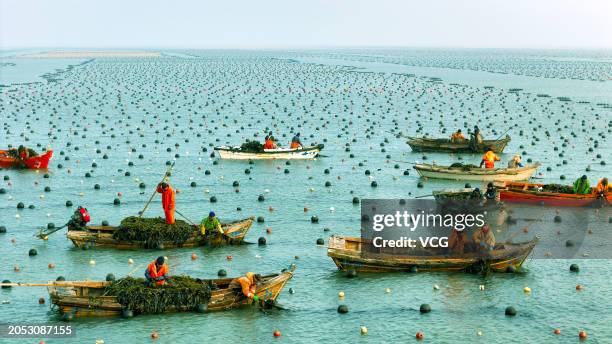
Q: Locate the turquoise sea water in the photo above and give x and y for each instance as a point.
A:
(179, 107)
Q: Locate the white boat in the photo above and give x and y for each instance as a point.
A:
(236, 153)
(477, 174)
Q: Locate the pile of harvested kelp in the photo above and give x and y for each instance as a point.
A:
(465, 167)
(252, 147)
(180, 292)
(558, 188)
(153, 231)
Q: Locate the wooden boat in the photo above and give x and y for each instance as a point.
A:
(346, 253)
(442, 196)
(424, 144)
(529, 193)
(87, 298)
(102, 236)
(235, 153)
(476, 173)
(35, 162)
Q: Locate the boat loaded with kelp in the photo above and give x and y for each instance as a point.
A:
(458, 171)
(11, 159)
(424, 144)
(348, 253)
(132, 296)
(254, 151)
(550, 195)
(135, 233)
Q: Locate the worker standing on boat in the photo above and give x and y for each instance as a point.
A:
(156, 271)
(483, 238)
(603, 187)
(582, 186)
(247, 284)
(515, 162)
(457, 136)
(475, 139)
(489, 158)
(168, 201)
(211, 225)
(295, 142)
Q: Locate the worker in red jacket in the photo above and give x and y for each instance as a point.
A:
(168, 201)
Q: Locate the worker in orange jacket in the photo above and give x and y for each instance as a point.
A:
(247, 285)
(489, 158)
(157, 271)
(603, 187)
(168, 202)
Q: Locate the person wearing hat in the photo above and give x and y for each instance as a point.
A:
(295, 142)
(211, 225)
(456, 241)
(515, 162)
(168, 201)
(157, 271)
(582, 186)
(603, 187)
(247, 285)
(483, 238)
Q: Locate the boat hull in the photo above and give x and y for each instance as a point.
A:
(270, 154)
(346, 254)
(37, 162)
(524, 193)
(476, 174)
(88, 300)
(445, 145)
(102, 236)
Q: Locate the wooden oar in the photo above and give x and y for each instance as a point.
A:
(155, 191)
(505, 132)
(423, 196)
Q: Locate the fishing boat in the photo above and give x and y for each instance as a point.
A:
(549, 195)
(424, 144)
(236, 153)
(102, 236)
(36, 162)
(346, 253)
(476, 173)
(90, 298)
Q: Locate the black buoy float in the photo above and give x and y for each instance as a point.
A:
(222, 273)
(32, 252)
(574, 268)
(261, 241)
(343, 309)
(510, 311)
(425, 308)
(110, 277)
(351, 273)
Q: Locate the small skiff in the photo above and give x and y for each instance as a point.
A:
(476, 173)
(235, 153)
(102, 236)
(35, 162)
(539, 194)
(424, 144)
(346, 254)
(87, 298)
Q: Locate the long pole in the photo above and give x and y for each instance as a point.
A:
(167, 174)
(504, 133)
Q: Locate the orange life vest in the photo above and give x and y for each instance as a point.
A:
(269, 144)
(489, 159)
(154, 273)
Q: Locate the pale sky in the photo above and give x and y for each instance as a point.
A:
(305, 23)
